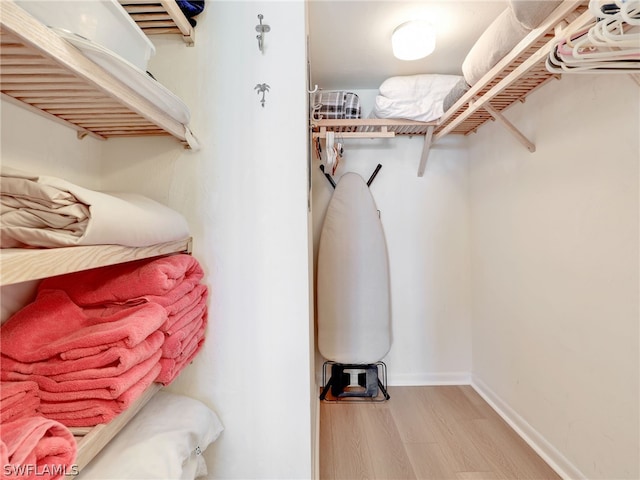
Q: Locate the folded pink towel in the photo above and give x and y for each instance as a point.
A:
(105, 388)
(11, 392)
(124, 401)
(162, 280)
(53, 324)
(18, 399)
(175, 344)
(29, 407)
(110, 363)
(88, 413)
(185, 316)
(171, 367)
(82, 352)
(196, 296)
(179, 313)
(38, 447)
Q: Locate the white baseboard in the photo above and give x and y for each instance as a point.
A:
(424, 379)
(418, 379)
(534, 439)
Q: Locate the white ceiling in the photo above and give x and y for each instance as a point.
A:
(350, 40)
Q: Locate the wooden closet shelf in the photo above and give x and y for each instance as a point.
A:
(369, 128)
(521, 72)
(160, 17)
(45, 74)
(22, 264)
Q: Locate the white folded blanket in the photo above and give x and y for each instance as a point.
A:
(504, 33)
(414, 97)
(44, 211)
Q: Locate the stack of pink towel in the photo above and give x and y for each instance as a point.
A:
(171, 282)
(93, 341)
(89, 364)
(184, 332)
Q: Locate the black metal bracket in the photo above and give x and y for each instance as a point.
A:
(369, 383)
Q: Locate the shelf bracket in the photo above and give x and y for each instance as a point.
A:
(428, 140)
(510, 127)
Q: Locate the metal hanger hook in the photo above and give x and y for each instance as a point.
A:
(261, 29)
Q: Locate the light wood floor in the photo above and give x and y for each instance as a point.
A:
(444, 432)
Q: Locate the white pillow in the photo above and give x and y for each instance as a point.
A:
(415, 86)
(414, 97)
(165, 440)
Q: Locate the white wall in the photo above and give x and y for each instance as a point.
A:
(245, 198)
(545, 245)
(35, 144)
(425, 220)
(554, 250)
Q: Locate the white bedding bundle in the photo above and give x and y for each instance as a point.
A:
(414, 97)
(165, 440)
(44, 211)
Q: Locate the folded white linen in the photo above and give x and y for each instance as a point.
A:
(414, 97)
(45, 211)
(531, 13)
(504, 33)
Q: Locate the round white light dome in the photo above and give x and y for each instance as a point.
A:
(413, 40)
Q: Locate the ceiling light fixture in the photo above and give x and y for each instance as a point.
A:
(413, 40)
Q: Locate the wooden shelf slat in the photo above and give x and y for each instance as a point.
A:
(73, 74)
(23, 264)
(369, 127)
(160, 16)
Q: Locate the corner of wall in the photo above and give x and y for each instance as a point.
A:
(558, 462)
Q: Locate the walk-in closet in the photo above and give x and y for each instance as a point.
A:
(180, 239)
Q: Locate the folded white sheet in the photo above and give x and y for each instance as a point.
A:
(44, 211)
(414, 97)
